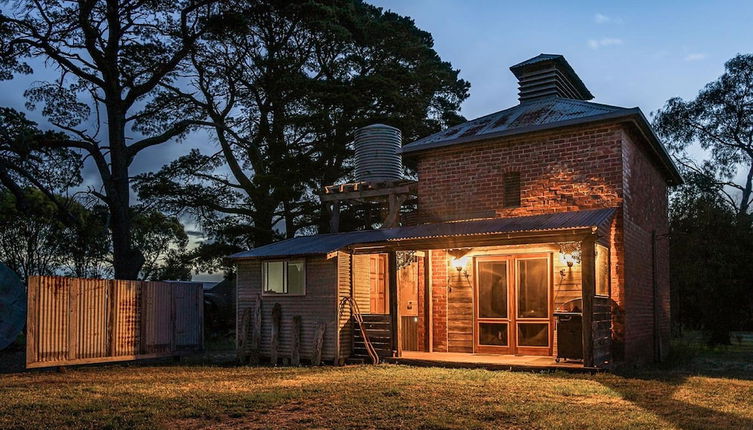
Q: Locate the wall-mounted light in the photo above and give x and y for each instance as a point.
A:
(459, 260)
(569, 255)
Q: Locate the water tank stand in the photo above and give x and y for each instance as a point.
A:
(393, 193)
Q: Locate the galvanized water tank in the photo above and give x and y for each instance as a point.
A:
(377, 158)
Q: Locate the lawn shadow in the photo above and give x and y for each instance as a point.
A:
(654, 390)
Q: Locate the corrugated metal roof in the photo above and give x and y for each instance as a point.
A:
(526, 117)
(325, 243)
(532, 223)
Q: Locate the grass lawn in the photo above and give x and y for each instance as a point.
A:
(711, 390)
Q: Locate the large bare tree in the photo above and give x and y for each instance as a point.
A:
(284, 86)
(111, 57)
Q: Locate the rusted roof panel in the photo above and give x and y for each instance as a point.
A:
(525, 117)
(325, 243)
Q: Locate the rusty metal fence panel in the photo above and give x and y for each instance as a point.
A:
(80, 321)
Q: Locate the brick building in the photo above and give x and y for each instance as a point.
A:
(555, 206)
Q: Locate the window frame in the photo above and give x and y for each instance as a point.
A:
(285, 262)
(608, 275)
(511, 181)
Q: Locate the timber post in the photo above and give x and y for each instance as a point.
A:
(245, 341)
(276, 321)
(316, 355)
(295, 350)
(392, 286)
(255, 332)
(588, 267)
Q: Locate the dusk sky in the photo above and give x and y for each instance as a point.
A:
(637, 53)
(627, 53)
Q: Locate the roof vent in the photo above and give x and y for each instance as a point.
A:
(548, 75)
(377, 157)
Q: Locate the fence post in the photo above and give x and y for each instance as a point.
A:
(256, 333)
(276, 321)
(142, 311)
(295, 355)
(73, 292)
(245, 333)
(112, 329)
(173, 326)
(316, 358)
(32, 320)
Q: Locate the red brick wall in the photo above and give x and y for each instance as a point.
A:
(439, 299)
(575, 169)
(578, 169)
(645, 202)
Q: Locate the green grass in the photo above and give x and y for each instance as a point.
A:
(184, 396)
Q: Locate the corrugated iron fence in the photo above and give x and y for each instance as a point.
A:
(79, 321)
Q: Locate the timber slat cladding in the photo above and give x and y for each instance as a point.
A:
(379, 331)
(602, 332)
(318, 305)
(80, 321)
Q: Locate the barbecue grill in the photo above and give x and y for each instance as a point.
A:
(570, 330)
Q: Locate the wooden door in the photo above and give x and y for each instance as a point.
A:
(378, 284)
(493, 317)
(533, 305)
(513, 305)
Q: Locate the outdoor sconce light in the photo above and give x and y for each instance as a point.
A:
(459, 260)
(569, 255)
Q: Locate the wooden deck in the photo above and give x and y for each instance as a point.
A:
(487, 361)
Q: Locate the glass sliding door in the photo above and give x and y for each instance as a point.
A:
(492, 331)
(513, 308)
(533, 313)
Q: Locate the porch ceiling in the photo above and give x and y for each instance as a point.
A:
(325, 243)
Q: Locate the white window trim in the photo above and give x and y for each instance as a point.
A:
(265, 292)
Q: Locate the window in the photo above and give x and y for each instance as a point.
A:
(286, 277)
(511, 184)
(602, 270)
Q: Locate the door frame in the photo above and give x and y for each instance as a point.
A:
(489, 349)
(512, 307)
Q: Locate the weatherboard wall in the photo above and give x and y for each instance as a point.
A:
(318, 304)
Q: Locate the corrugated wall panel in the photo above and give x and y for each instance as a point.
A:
(76, 321)
(52, 324)
(345, 326)
(189, 308)
(89, 299)
(127, 318)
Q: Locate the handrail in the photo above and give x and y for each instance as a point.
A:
(356, 313)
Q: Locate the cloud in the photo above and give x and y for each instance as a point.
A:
(600, 18)
(697, 56)
(604, 42)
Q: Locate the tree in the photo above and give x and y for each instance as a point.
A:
(163, 241)
(37, 241)
(112, 57)
(30, 241)
(28, 160)
(284, 91)
(720, 121)
(710, 217)
(86, 243)
(711, 274)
